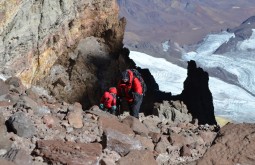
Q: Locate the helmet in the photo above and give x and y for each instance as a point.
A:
(113, 90)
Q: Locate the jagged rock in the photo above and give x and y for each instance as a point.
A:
(155, 136)
(29, 104)
(18, 156)
(136, 125)
(138, 158)
(20, 124)
(185, 151)
(75, 116)
(152, 124)
(111, 155)
(197, 95)
(162, 158)
(207, 136)
(177, 139)
(162, 145)
(175, 129)
(119, 142)
(233, 145)
(55, 151)
(146, 142)
(114, 124)
(167, 111)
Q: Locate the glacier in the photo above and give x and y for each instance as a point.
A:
(240, 63)
(230, 101)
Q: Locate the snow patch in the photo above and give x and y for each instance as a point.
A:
(165, 46)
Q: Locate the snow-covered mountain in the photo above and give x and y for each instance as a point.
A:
(240, 63)
(230, 101)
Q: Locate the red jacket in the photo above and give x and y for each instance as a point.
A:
(133, 85)
(108, 100)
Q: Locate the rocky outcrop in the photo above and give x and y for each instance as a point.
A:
(234, 145)
(197, 95)
(64, 46)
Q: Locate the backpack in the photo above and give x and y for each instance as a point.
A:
(140, 78)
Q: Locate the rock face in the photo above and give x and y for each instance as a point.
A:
(49, 41)
(197, 95)
(234, 145)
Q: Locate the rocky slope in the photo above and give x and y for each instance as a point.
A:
(46, 43)
(35, 128)
(55, 54)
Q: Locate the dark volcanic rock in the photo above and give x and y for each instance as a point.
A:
(235, 144)
(197, 95)
(20, 124)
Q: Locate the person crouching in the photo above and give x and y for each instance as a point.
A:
(108, 101)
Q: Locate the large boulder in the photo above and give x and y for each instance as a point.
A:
(75, 115)
(136, 125)
(20, 124)
(55, 151)
(120, 143)
(138, 158)
(113, 123)
(235, 144)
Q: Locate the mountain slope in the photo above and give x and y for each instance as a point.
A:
(184, 21)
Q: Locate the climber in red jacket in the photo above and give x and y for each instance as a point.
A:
(108, 101)
(130, 88)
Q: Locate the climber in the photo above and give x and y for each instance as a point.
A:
(131, 88)
(108, 101)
